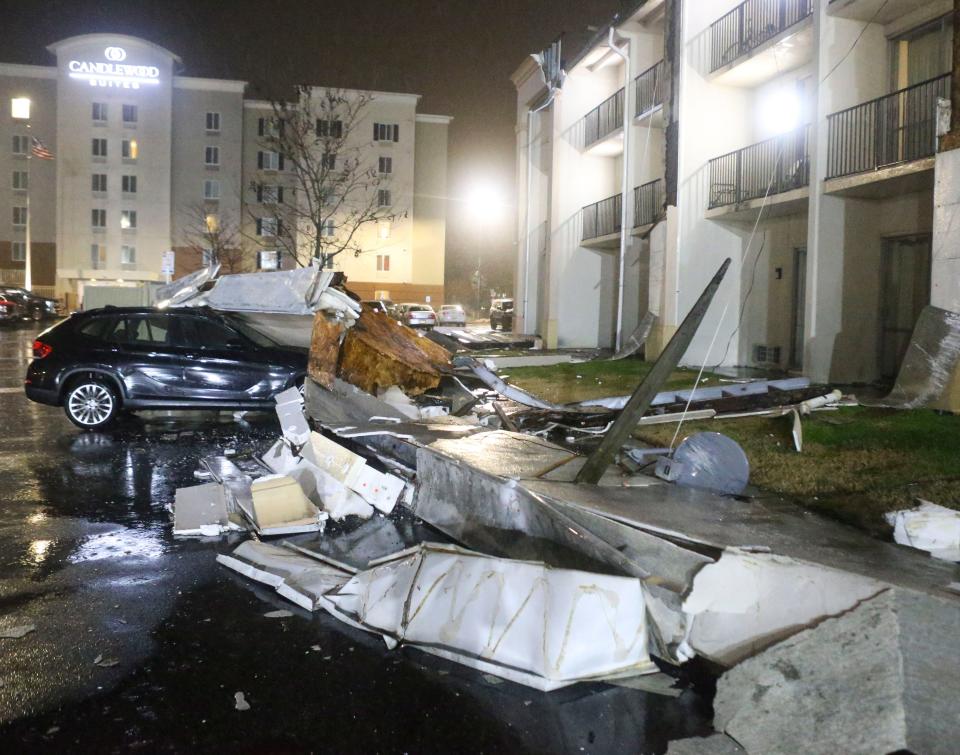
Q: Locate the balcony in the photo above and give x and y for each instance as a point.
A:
(601, 220)
(873, 11)
(601, 123)
(894, 136)
(754, 35)
(648, 203)
(648, 90)
(775, 166)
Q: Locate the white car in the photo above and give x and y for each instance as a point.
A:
(452, 314)
(418, 315)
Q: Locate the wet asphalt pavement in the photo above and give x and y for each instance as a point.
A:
(141, 641)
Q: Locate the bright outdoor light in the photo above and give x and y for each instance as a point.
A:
(484, 201)
(780, 112)
(20, 108)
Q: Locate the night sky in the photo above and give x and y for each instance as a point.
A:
(458, 54)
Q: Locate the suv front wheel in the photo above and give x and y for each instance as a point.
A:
(91, 404)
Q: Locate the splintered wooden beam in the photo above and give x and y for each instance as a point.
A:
(601, 458)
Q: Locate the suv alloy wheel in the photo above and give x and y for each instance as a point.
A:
(91, 404)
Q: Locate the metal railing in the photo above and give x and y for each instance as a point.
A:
(648, 89)
(601, 218)
(768, 167)
(604, 119)
(895, 128)
(13, 276)
(648, 203)
(751, 24)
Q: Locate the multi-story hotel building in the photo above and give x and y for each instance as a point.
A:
(141, 151)
(797, 137)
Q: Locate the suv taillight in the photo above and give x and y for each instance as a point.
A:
(41, 350)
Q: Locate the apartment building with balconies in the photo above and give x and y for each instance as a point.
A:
(797, 137)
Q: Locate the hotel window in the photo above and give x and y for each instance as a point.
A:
(268, 260)
(128, 255)
(19, 180)
(99, 112)
(269, 194)
(922, 53)
(328, 161)
(211, 156)
(383, 197)
(269, 161)
(98, 218)
(19, 216)
(386, 132)
(21, 144)
(128, 219)
(128, 184)
(211, 189)
(383, 263)
(98, 183)
(206, 257)
(98, 148)
(385, 165)
(129, 149)
(213, 121)
(129, 114)
(98, 256)
(333, 129)
(328, 228)
(18, 251)
(269, 127)
(267, 226)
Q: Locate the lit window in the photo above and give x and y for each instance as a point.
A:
(20, 108)
(98, 218)
(99, 112)
(128, 184)
(19, 216)
(21, 144)
(212, 223)
(18, 251)
(211, 189)
(268, 260)
(211, 156)
(128, 219)
(383, 197)
(128, 255)
(98, 148)
(128, 149)
(213, 121)
(129, 113)
(383, 230)
(20, 180)
(386, 132)
(385, 165)
(98, 256)
(383, 263)
(98, 182)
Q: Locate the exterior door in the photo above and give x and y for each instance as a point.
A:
(222, 365)
(905, 291)
(151, 363)
(799, 306)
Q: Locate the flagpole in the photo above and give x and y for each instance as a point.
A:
(28, 273)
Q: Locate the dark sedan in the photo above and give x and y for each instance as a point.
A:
(28, 305)
(100, 362)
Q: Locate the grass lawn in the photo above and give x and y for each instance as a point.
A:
(857, 463)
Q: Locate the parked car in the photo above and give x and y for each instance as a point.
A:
(9, 309)
(418, 315)
(501, 314)
(452, 314)
(379, 305)
(99, 362)
(29, 305)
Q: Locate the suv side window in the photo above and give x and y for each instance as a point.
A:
(96, 327)
(210, 334)
(141, 330)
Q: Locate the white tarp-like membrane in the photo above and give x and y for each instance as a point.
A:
(292, 292)
(929, 527)
(521, 620)
(187, 288)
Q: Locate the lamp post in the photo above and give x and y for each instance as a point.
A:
(20, 111)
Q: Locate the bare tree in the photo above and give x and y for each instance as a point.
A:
(333, 184)
(217, 233)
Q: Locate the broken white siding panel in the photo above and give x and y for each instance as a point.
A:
(280, 507)
(340, 463)
(928, 527)
(200, 510)
(293, 422)
(747, 601)
(379, 489)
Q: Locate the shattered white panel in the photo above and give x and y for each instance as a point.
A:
(293, 292)
(200, 510)
(747, 601)
(928, 527)
(280, 507)
(378, 488)
(187, 288)
(340, 463)
(293, 422)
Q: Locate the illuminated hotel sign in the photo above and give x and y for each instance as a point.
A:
(114, 73)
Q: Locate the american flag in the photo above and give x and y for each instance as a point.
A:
(39, 150)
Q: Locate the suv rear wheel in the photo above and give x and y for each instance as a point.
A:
(91, 404)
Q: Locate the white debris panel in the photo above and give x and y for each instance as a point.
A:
(928, 527)
(521, 620)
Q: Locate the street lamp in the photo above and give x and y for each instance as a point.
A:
(20, 110)
(485, 204)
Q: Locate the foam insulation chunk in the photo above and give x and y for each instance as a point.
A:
(929, 527)
(324, 349)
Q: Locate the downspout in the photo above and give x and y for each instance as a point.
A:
(625, 182)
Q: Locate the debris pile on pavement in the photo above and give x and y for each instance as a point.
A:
(575, 554)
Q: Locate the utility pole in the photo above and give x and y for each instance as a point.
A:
(28, 257)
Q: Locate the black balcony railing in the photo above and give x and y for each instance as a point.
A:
(648, 203)
(603, 120)
(769, 167)
(751, 24)
(649, 89)
(602, 218)
(895, 128)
